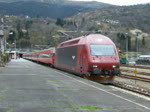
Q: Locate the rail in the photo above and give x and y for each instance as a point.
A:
(135, 77)
(140, 73)
(137, 66)
(132, 88)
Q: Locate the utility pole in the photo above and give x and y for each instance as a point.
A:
(137, 44)
(2, 46)
(2, 41)
(126, 45)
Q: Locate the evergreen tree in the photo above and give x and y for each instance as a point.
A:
(143, 41)
(11, 36)
(60, 22)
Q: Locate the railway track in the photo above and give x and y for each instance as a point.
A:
(136, 66)
(131, 71)
(133, 88)
(135, 77)
(139, 74)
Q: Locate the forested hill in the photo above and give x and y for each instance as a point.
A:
(136, 16)
(47, 8)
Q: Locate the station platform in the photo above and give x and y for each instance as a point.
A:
(26, 86)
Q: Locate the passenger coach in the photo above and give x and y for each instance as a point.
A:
(46, 56)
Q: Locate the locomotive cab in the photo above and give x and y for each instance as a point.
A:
(103, 60)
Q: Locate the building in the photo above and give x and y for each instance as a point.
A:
(12, 54)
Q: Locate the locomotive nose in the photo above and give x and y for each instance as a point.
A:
(105, 69)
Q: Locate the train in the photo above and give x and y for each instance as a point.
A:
(93, 56)
(143, 59)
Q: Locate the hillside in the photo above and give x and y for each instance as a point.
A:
(114, 22)
(136, 16)
(47, 8)
(90, 4)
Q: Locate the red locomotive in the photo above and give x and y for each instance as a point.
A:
(93, 56)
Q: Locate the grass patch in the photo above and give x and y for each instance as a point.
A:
(86, 107)
(1, 97)
(10, 110)
(43, 107)
(52, 80)
(47, 81)
(91, 108)
(63, 88)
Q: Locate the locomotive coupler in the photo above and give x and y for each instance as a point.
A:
(96, 71)
(116, 72)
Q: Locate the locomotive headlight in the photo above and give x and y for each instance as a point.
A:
(115, 66)
(94, 66)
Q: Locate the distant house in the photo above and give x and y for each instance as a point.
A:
(145, 34)
(138, 33)
(24, 30)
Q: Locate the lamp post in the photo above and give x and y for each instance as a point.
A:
(126, 45)
(15, 44)
(137, 44)
(78, 20)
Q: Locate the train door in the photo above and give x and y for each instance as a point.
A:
(81, 63)
(82, 60)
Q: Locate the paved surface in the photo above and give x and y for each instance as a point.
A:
(29, 87)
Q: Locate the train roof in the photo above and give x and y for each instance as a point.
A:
(51, 48)
(91, 38)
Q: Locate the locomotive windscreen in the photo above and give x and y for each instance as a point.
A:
(102, 50)
(67, 56)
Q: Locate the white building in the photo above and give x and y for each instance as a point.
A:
(13, 54)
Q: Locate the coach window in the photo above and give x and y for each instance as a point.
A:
(45, 55)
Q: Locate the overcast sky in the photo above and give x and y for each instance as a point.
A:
(121, 2)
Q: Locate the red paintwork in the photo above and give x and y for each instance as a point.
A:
(84, 58)
(37, 56)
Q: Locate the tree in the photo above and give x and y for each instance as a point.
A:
(55, 41)
(121, 40)
(18, 27)
(143, 41)
(28, 24)
(11, 36)
(24, 43)
(129, 41)
(60, 22)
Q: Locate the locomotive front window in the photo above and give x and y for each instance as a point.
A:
(102, 50)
